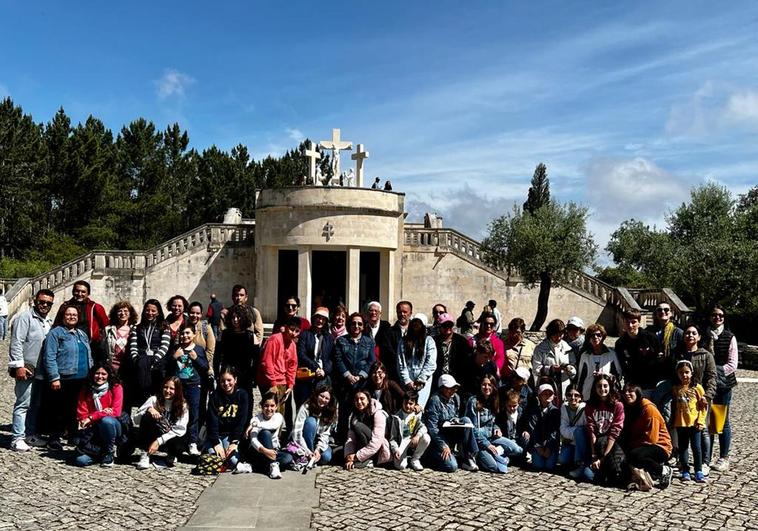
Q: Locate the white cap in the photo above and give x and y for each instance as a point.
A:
(423, 318)
(545, 387)
(447, 380)
(575, 321)
(522, 372)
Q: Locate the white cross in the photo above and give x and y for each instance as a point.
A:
(336, 145)
(313, 155)
(359, 155)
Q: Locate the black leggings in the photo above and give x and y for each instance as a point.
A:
(650, 457)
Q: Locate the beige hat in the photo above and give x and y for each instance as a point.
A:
(322, 311)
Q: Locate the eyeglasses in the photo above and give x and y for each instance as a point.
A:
(356, 323)
(717, 315)
(597, 334)
(290, 305)
(489, 324)
(574, 395)
(44, 303)
(663, 310)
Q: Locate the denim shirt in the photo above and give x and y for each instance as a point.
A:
(354, 358)
(439, 410)
(412, 367)
(61, 354)
(484, 422)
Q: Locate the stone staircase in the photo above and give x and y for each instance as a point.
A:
(210, 235)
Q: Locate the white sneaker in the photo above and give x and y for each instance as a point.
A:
(144, 462)
(402, 464)
(274, 472)
(416, 465)
(722, 465)
(243, 468)
(20, 446)
(193, 450)
(468, 463)
(706, 470)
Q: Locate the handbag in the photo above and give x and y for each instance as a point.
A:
(717, 418)
(209, 465)
(304, 374)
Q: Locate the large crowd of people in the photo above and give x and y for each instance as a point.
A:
(177, 381)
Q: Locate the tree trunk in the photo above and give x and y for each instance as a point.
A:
(546, 281)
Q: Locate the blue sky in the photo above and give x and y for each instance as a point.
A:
(629, 104)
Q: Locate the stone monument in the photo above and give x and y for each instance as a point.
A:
(336, 145)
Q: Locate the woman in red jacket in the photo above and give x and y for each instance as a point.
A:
(98, 412)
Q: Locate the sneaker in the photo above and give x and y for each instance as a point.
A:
(416, 465)
(666, 476)
(706, 469)
(144, 462)
(700, 477)
(576, 473)
(55, 445)
(632, 486)
(20, 446)
(722, 465)
(160, 464)
(686, 476)
(36, 441)
(193, 450)
(368, 463)
(468, 463)
(107, 461)
(273, 471)
(242, 468)
(402, 464)
(170, 461)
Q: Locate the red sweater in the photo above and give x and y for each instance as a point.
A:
(605, 419)
(278, 363)
(113, 398)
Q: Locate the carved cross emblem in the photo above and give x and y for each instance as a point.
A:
(328, 232)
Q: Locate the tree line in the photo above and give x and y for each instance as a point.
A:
(66, 189)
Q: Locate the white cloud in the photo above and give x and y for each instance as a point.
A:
(295, 134)
(173, 83)
(713, 110)
(743, 106)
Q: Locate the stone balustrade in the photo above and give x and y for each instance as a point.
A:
(650, 298)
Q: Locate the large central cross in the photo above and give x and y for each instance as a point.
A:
(336, 145)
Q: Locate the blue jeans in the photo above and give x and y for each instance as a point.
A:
(543, 463)
(192, 396)
(231, 459)
(267, 441)
(466, 441)
(310, 434)
(689, 436)
(106, 431)
(26, 408)
(512, 448)
(723, 396)
(576, 453)
(494, 463)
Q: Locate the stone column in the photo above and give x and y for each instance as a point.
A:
(353, 279)
(304, 281)
(387, 294)
(267, 283)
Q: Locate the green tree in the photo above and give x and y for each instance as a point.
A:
(643, 253)
(539, 191)
(543, 246)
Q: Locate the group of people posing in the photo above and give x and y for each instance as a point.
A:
(352, 387)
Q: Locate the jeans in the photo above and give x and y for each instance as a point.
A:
(231, 459)
(723, 396)
(494, 463)
(3, 326)
(310, 434)
(26, 408)
(544, 463)
(512, 448)
(192, 396)
(466, 441)
(689, 436)
(106, 431)
(267, 441)
(576, 453)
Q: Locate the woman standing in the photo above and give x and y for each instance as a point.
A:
(177, 307)
(339, 318)
(123, 317)
(237, 347)
(148, 344)
(553, 359)
(204, 337)
(723, 345)
(98, 411)
(595, 359)
(417, 360)
(67, 359)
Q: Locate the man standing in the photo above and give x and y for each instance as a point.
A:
(640, 355)
(404, 310)
(453, 351)
(3, 317)
(669, 335)
(239, 296)
(381, 332)
(92, 316)
(27, 336)
(466, 320)
(214, 314)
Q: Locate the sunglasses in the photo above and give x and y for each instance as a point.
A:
(597, 334)
(290, 305)
(356, 323)
(663, 310)
(44, 303)
(717, 315)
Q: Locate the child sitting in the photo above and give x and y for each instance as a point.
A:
(515, 437)
(415, 436)
(544, 423)
(689, 420)
(263, 431)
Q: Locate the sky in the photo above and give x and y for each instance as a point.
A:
(629, 104)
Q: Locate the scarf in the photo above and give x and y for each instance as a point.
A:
(668, 331)
(716, 332)
(338, 332)
(97, 393)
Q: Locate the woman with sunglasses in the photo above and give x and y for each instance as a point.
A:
(596, 358)
(487, 326)
(289, 310)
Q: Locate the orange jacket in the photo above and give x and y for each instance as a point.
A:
(649, 428)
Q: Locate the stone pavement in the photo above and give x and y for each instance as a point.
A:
(41, 491)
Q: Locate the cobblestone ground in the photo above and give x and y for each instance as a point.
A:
(41, 491)
(381, 499)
